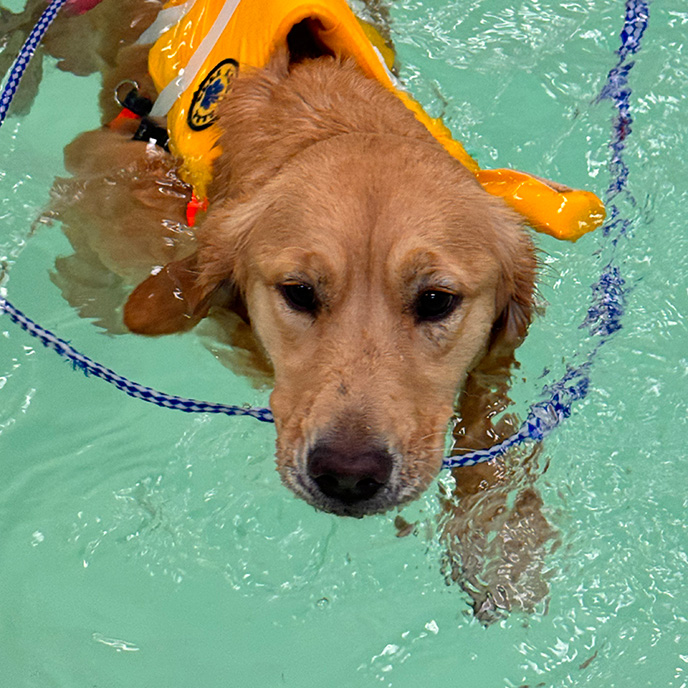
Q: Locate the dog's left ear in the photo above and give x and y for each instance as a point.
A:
(515, 315)
(515, 297)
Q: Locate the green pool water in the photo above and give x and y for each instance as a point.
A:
(143, 548)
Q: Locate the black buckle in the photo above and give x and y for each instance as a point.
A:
(132, 101)
(150, 131)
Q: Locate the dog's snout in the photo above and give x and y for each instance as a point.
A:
(349, 475)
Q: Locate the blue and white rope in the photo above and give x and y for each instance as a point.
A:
(25, 55)
(608, 301)
(133, 389)
(602, 320)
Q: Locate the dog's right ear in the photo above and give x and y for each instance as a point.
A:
(170, 300)
(177, 297)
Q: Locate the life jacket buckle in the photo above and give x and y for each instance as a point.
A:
(132, 100)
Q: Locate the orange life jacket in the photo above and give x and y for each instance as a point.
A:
(205, 42)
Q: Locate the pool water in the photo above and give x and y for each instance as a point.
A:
(144, 547)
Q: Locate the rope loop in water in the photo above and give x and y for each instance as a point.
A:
(133, 389)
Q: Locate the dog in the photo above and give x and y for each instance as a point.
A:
(369, 271)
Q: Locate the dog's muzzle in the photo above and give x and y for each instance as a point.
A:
(350, 476)
(347, 473)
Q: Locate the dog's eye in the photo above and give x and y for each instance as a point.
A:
(435, 304)
(300, 297)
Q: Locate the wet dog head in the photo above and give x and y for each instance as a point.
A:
(373, 270)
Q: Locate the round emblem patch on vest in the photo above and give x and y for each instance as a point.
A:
(204, 102)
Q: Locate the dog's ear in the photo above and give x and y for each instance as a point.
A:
(515, 297)
(516, 312)
(485, 393)
(178, 296)
(170, 300)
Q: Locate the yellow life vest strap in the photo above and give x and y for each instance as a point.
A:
(567, 214)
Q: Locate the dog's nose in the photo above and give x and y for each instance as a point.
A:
(349, 475)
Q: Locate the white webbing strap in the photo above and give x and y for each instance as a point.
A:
(177, 86)
(165, 20)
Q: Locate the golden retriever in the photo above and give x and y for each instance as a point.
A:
(380, 281)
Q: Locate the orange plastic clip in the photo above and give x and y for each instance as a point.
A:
(192, 208)
(123, 115)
